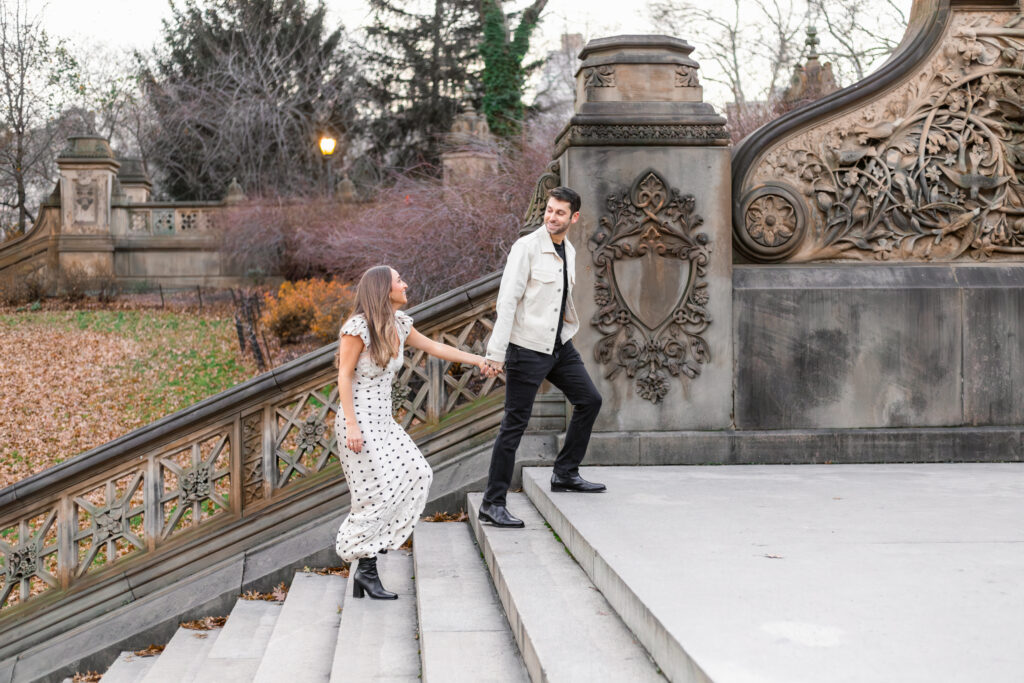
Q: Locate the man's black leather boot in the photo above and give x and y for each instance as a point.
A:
(576, 484)
(498, 515)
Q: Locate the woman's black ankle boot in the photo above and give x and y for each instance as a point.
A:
(367, 580)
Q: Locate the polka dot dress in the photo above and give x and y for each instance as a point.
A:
(389, 479)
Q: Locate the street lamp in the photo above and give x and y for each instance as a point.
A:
(327, 146)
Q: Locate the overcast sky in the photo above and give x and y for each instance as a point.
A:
(136, 23)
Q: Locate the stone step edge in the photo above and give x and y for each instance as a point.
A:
(670, 655)
(527, 648)
(478, 556)
(296, 589)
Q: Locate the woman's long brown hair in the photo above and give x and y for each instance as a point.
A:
(373, 301)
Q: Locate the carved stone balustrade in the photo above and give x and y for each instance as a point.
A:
(120, 522)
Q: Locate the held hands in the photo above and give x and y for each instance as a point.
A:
(353, 437)
(489, 368)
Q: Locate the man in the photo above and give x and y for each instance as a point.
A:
(532, 341)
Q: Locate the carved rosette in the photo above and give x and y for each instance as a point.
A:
(774, 222)
(599, 77)
(933, 170)
(651, 220)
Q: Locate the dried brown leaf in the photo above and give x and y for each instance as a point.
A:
(205, 624)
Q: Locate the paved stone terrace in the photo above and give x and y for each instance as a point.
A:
(809, 573)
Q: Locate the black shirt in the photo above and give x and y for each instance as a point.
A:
(560, 248)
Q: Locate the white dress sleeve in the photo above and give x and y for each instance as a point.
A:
(404, 322)
(356, 327)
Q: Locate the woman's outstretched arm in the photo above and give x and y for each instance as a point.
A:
(446, 352)
(348, 355)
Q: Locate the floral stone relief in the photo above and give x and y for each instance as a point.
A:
(650, 264)
(929, 171)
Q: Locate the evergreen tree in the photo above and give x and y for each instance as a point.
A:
(504, 73)
(420, 68)
(244, 88)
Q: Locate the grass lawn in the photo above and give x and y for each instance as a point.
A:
(71, 380)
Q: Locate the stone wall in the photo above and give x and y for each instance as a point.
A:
(100, 219)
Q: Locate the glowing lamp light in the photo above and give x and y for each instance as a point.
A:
(327, 145)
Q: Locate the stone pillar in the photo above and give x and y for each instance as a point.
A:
(653, 243)
(88, 172)
(469, 152)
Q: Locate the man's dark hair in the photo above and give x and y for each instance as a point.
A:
(565, 194)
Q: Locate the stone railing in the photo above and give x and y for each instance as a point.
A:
(920, 161)
(154, 218)
(189, 484)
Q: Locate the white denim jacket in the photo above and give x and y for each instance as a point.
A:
(530, 297)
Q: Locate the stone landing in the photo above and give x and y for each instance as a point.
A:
(808, 573)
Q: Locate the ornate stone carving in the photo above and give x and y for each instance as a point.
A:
(302, 444)
(24, 562)
(189, 221)
(28, 550)
(641, 134)
(86, 201)
(139, 221)
(771, 220)
(930, 171)
(163, 220)
(195, 484)
(686, 76)
(549, 180)
(648, 338)
(599, 77)
(252, 457)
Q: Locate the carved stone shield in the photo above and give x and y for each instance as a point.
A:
(650, 290)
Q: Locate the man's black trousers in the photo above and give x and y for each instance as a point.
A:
(524, 372)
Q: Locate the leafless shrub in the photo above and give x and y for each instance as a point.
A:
(14, 290)
(38, 284)
(74, 283)
(742, 121)
(106, 286)
(437, 236)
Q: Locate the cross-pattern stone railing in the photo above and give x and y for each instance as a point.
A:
(135, 501)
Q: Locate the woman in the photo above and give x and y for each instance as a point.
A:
(388, 477)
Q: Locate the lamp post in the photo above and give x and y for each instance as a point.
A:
(327, 146)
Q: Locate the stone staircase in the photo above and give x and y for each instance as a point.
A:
(691, 574)
(449, 624)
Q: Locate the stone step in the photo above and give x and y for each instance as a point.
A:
(129, 668)
(565, 628)
(183, 657)
(666, 650)
(464, 635)
(236, 655)
(301, 647)
(839, 573)
(377, 638)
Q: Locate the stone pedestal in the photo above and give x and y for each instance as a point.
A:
(653, 243)
(88, 171)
